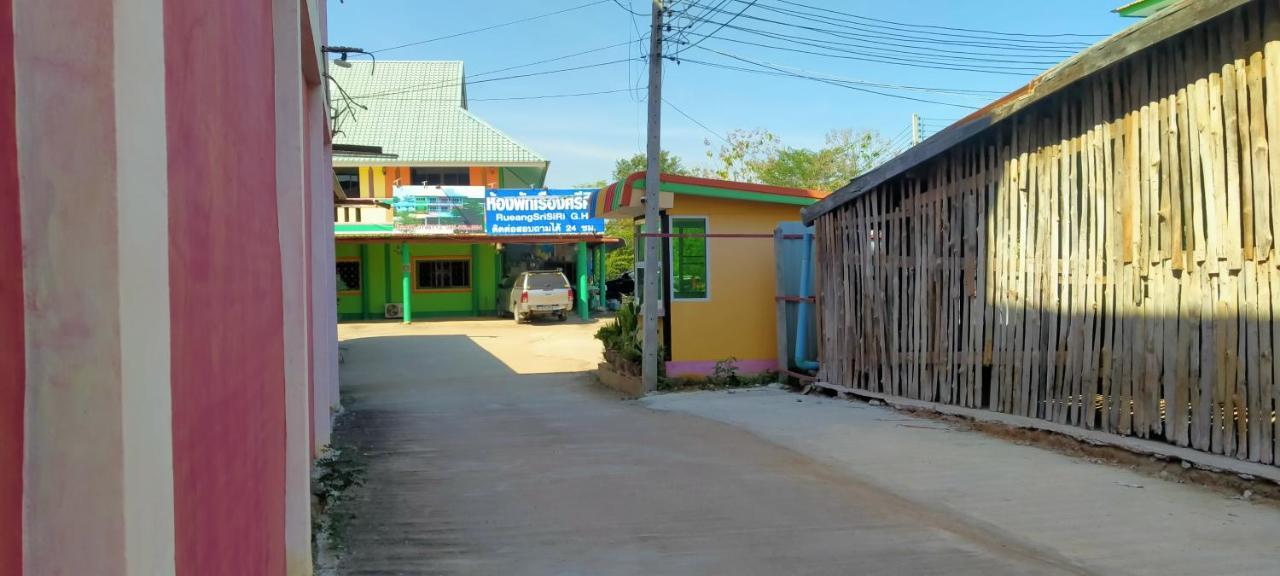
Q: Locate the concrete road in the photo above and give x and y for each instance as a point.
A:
(490, 450)
(1106, 517)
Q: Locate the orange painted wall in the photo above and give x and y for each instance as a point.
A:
(738, 317)
(486, 176)
(392, 174)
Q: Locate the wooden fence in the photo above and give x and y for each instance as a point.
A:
(1105, 257)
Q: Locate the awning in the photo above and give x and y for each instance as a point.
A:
(625, 199)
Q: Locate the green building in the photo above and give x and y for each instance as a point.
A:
(405, 127)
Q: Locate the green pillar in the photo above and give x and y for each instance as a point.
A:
(497, 278)
(364, 281)
(475, 286)
(584, 295)
(406, 289)
(386, 273)
(600, 271)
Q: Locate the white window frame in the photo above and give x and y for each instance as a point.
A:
(637, 266)
(671, 277)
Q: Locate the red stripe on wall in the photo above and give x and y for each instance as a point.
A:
(225, 289)
(12, 347)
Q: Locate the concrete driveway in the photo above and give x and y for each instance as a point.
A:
(491, 450)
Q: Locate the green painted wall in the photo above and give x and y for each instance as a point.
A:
(522, 177)
(382, 265)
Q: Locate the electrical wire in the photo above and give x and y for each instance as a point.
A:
(695, 121)
(1019, 42)
(1023, 72)
(909, 88)
(856, 41)
(721, 26)
(479, 76)
(878, 36)
(897, 55)
(628, 8)
(497, 79)
(1058, 35)
(835, 82)
(507, 98)
(493, 27)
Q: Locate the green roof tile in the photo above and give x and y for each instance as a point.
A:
(418, 112)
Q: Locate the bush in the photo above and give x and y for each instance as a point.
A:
(622, 336)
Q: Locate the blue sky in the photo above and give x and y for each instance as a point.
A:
(582, 136)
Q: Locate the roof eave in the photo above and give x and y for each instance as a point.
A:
(354, 162)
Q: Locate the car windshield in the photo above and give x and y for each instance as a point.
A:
(546, 281)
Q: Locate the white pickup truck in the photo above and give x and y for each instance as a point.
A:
(537, 293)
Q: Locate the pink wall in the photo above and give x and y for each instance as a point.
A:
(12, 354)
(227, 347)
(322, 302)
(64, 87)
(155, 420)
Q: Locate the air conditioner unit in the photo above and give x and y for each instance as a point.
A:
(393, 310)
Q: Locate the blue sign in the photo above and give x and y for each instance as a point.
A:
(539, 213)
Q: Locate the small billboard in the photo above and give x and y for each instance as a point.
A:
(515, 212)
(439, 210)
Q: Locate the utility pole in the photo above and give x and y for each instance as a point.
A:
(652, 209)
(915, 129)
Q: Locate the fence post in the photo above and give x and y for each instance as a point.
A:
(780, 303)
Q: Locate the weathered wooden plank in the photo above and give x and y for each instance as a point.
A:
(1271, 64)
(1107, 254)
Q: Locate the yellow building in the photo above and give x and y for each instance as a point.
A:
(718, 296)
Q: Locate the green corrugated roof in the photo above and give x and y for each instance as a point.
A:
(1141, 8)
(418, 112)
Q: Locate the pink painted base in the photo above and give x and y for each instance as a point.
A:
(707, 367)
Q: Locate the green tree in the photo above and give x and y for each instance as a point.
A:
(797, 168)
(669, 164)
(758, 156)
(854, 152)
(622, 258)
(741, 155)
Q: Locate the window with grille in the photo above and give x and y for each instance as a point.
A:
(443, 274)
(688, 258)
(348, 276)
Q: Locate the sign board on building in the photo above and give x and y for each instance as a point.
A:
(443, 210)
(540, 213)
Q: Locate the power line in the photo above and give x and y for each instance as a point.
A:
(557, 58)
(1029, 35)
(450, 83)
(720, 27)
(874, 34)
(498, 79)
(938, 36)
(628, 8)
(790, 71)
(695, 120)
(858, 41)
(833, 82)
(506, 98)
(934, 57)
(493, 27)
(910, 63)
